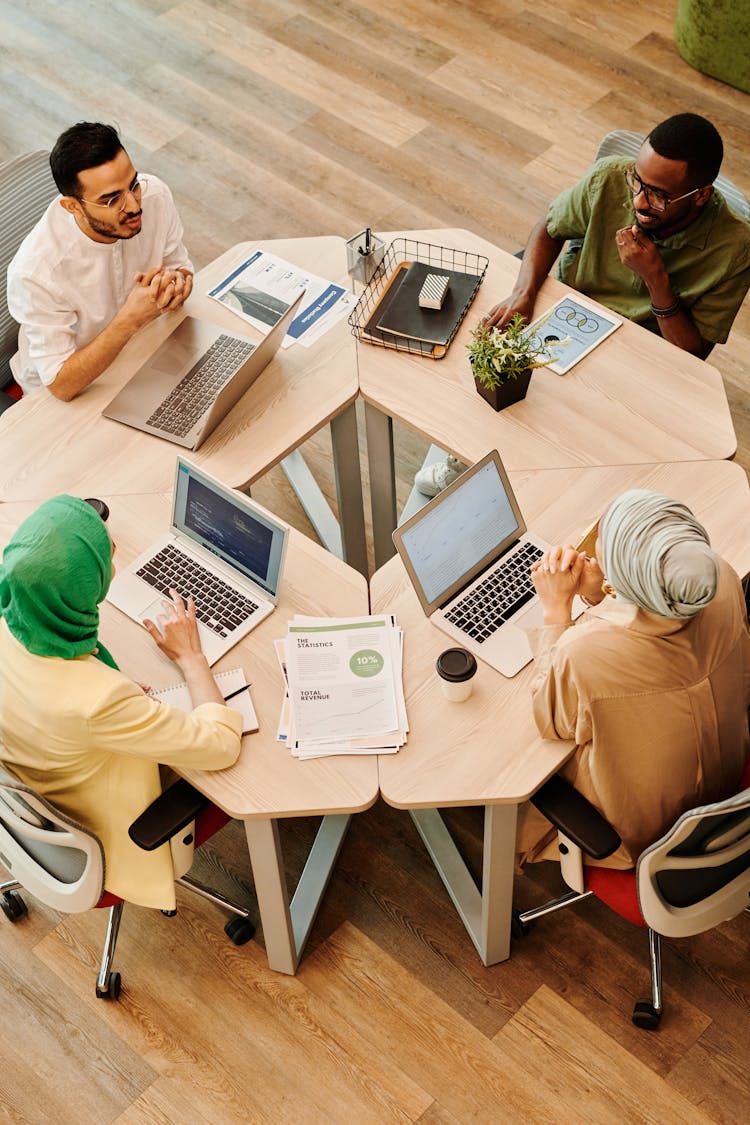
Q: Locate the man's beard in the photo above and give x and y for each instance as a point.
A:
(112, 230)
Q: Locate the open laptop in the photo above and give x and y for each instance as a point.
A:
(194, 379)
(221, 548)
(468, 555)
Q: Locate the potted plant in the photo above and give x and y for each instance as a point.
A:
(502, 360)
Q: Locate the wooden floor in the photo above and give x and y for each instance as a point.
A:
(299, 117)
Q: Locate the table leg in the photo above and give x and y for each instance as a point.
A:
(381, 463)
(486, 913)
(286, 925)
(348, 480)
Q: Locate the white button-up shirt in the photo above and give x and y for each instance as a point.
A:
(64, 288)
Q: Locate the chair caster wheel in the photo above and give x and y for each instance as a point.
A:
(518, 928)
(13, 906)
(112, 990)
(239, 930)
(645, 1015)
(168, 913)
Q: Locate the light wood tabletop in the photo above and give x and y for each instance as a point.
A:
(266, 783)
(486, 750)
(635, 399)
(52, 444)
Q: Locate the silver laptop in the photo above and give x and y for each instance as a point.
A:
(194, 379)
(468, 555)
(221, 548)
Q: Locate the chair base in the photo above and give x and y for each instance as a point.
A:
(239, 929)
(646, 1013)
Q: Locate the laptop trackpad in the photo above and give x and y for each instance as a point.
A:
(153, 611)
(530, 618)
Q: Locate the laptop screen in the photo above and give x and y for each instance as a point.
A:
(460, 532)
(230, 526)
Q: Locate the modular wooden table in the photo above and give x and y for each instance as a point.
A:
(52, 445)
(266, 784)
(635, 399)
(486, 751)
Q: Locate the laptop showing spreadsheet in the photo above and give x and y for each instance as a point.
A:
(194, 379)
(222, 548)
(469, 555)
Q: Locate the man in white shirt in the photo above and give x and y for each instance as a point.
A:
(105, 259)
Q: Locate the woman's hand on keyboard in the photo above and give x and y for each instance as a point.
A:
(175, 632)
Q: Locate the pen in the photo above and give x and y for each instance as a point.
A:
(237, 691)
(368, 234)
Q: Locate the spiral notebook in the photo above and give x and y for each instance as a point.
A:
(230, 682)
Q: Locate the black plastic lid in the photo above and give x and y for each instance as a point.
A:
(99, 506)
(456, 665)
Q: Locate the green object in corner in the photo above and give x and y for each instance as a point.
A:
(714, 37)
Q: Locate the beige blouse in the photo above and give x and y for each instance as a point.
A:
(658, 709)
(89, 739)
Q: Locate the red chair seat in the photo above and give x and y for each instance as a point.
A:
(618, 890)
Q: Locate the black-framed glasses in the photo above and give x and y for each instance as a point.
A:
(657, 199)
(117, 202)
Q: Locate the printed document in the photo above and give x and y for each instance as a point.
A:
(344, 686)
(262, 288)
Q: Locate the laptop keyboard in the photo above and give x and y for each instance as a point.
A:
(217, 605)
(497, 597)
(196, 391)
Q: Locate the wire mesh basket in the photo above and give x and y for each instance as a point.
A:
(468, 269)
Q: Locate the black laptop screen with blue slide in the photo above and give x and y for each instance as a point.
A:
(243, 538)
(221, 549)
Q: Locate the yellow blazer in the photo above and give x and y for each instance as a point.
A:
(90, 740)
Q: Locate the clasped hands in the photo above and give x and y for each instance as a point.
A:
(156, 292)
(560, 574)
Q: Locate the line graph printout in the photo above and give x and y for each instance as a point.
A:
(571, 329)
(342, 679)
(470, 524)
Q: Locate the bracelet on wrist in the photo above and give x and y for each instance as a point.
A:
(665, 313)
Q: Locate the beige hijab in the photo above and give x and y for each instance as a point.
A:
(656, 555)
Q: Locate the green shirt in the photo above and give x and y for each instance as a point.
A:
(708, 262)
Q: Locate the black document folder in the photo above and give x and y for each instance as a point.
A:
(398, 314)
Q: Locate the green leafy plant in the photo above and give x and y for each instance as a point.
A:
(499, 355)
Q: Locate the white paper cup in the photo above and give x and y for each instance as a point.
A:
(456, 669)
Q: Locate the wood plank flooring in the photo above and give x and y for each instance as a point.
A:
(302, 117)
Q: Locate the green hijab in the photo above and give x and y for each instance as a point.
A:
(55, 571)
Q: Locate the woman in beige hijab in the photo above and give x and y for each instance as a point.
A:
(654, 685)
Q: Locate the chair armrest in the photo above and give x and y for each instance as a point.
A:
(175, 808)
(575, 816)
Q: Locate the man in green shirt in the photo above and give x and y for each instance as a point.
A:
(653, 241)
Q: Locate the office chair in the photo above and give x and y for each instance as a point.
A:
(61, 862)
(692, 879)
(621, 142)
(26, 190)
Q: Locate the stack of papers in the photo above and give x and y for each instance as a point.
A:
(262, 289)
(344, 686)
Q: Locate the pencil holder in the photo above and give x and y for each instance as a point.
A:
(364, 253)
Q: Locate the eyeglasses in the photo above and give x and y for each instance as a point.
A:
(117, 202)
(657, 199)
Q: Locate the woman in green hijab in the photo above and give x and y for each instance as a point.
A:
(72, 725)
(654, 685)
